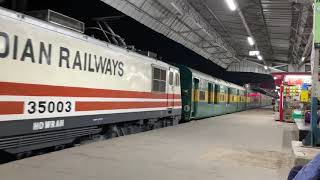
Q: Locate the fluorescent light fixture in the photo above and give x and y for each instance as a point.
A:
(250, 41)
(206, 32)
(277, 87)
(198, 25)
(232, 5)
(259, 57)
(176, 8)
(303, 58)
(265, 67)
(305, 78)
(254, 53)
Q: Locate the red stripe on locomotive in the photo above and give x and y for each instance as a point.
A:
(94, 106)
(7, 107)
(21, 89)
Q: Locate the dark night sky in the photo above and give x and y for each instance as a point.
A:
(142, 37)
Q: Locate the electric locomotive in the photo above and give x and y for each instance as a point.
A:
(57, 84)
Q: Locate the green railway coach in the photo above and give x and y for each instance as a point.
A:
(205, 96)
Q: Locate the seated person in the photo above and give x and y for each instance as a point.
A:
(310, 171)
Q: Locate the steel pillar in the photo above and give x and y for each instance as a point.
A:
(281, 103)
(313, 138)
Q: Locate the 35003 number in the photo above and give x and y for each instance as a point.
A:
(48, 107)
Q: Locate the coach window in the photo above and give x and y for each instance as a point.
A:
(210, 93)
(228, 96)
(216, 90)
(177, 79)
(159, 77)
(202, 93)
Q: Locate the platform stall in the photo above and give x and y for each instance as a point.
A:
(294, 90)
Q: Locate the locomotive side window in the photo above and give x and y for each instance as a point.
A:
(177, 79)
(171, 78)
(159, 80)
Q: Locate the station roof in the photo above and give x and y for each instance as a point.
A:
(281, 29)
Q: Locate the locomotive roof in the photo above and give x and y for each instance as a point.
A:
(67, 32)
(215, 80)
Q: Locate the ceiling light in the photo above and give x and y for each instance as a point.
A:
(206, 32)
(254, 53)
(250, 41)
(232, 5)
(176, 8)
(303, 58)
(275, 78)
(198, 24)
(259, 57)
(265, 67)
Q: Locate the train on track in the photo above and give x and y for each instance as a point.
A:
(59, 85)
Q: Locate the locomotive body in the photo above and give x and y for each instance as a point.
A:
(54, 79)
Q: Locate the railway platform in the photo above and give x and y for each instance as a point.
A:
(249, 145)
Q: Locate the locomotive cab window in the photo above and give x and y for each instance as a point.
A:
(171, 78)
(159, 77)
(177, 79)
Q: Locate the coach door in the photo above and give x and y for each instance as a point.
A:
(237, 100)
(171, 90)
(195, 96)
